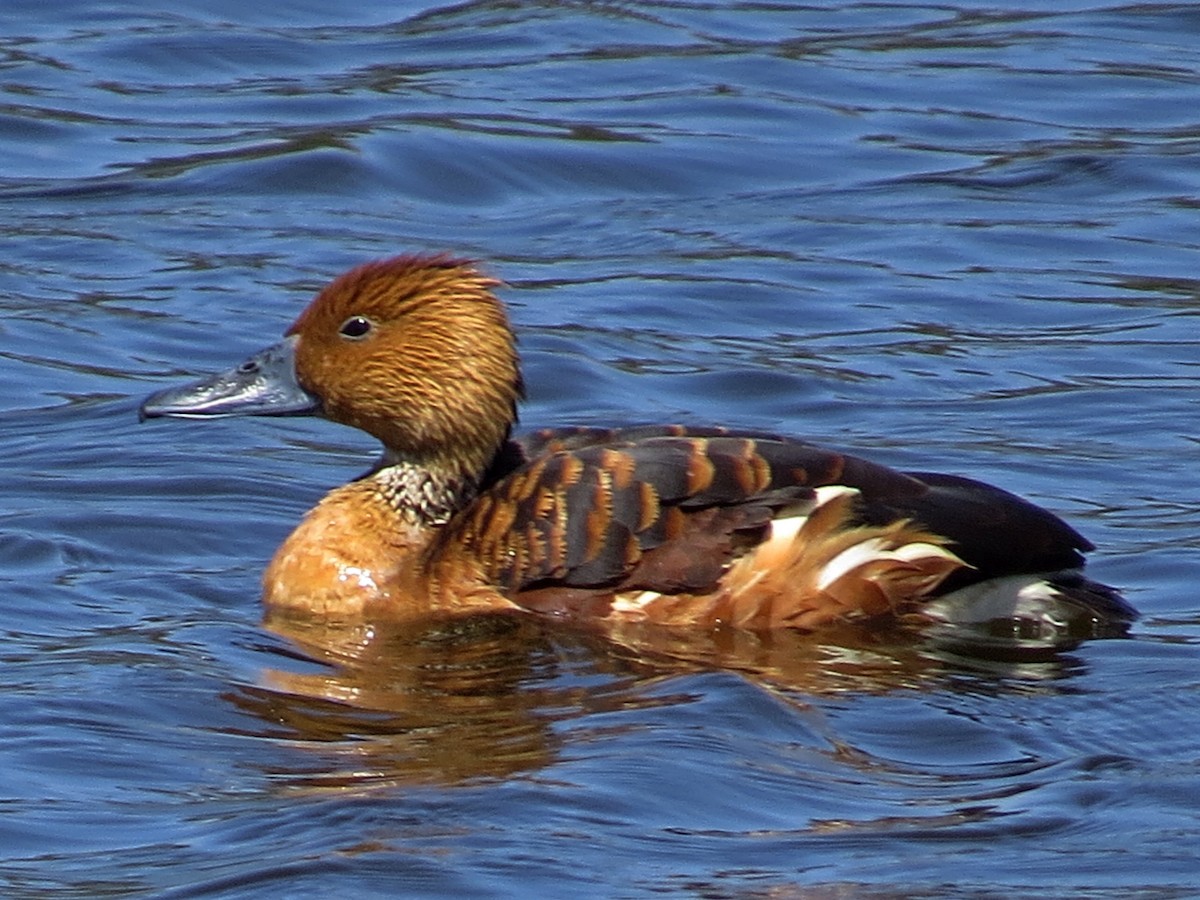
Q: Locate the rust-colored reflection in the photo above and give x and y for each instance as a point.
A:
(478, 698)
(441, 702)
(875, 656)
(846, 657)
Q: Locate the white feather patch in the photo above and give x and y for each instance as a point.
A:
(829, 492)
(1009, 597)
(851, 558)
(871, 550)
(631, 602)
(785, 528)
(784, 531)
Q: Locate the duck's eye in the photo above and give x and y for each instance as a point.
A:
(356, 327)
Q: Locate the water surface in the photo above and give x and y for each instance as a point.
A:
(958, 237)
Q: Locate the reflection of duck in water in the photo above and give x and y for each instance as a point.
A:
(496, 695)
(405, 703)
(658, 524)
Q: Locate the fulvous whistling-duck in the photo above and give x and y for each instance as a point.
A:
(659, 524)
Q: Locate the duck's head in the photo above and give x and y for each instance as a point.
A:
(414, 350)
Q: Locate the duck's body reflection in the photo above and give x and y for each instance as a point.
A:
(450, 701)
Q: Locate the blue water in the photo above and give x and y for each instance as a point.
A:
(955, 237)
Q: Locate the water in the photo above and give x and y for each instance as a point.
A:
(951, 237)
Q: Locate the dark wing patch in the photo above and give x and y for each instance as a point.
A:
(996, 532)
(667, 507)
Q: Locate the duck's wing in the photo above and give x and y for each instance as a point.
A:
(667, 508)
(531, 445)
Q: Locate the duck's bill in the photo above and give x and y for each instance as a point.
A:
(263, 385)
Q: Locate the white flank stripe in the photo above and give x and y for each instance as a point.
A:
(785, 529)
(829, 492)
(918, 550)
(629, 603)
(852, 558)
(872, 551)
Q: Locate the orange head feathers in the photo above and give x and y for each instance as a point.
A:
(417, 352)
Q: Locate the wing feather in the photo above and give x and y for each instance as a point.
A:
(668, 507)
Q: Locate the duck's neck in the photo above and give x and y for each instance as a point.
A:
(428, 489)
(427, 496)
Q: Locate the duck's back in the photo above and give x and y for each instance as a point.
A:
(676, 524)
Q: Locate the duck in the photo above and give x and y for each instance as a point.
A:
(675, 525)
